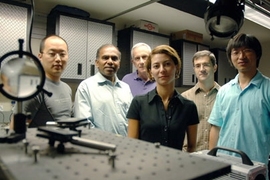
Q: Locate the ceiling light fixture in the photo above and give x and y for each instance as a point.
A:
(257, 14)
(224, 18)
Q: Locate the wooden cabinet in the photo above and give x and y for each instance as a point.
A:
(130, 36)
(225, 72)
(84, 36)
(186, 50)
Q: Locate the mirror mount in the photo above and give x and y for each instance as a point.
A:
(30, 69)
(22, 78)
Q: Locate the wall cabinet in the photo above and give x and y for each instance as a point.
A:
(186, 50)
(84, 37)
(14, 25)
(130, 36)
(225, 72)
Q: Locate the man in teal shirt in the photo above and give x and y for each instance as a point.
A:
(240, 117)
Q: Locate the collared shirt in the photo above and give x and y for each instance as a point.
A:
(204, 102)
(104, 104)
(158, 125)
(244, 117)
(137, 85)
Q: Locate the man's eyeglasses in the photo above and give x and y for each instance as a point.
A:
(237, 52)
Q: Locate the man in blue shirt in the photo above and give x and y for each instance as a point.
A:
(103, 99)
(240, 117)
(138, 81)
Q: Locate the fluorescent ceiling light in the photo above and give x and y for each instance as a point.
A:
(254, 15)
(257, 17)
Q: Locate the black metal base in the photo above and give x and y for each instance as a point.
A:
(12, 138)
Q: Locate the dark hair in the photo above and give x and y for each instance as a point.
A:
(244, 40)
(42, 43)
(107, 45)
(168, 50)
(205, 53)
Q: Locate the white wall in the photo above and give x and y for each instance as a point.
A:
(264, 66)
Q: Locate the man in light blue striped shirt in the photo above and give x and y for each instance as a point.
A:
(103, 99)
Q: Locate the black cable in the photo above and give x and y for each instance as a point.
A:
(31, 25)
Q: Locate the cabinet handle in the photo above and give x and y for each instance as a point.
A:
(92, 68)
(79, 69)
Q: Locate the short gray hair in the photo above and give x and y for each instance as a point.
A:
(138, 45)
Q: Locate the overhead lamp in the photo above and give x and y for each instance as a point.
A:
(224, 18)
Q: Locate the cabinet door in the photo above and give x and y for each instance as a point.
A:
(159, 40)
(74, 31)
(13, 26)
(141, 37)
(225, 72)
(202, 47)
(188, 74)
(98, 34)
(151, 39)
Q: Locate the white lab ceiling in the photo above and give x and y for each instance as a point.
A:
(168, 19)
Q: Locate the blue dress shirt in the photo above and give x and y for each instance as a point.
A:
(104, 104)
(244, 117)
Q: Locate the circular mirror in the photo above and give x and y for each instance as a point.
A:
(21, 78)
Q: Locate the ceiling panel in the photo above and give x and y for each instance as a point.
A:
(170, 15)
(194, 7)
